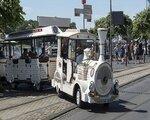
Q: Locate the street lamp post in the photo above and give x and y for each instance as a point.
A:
(83, 3)
(83, 17)
(110, 37)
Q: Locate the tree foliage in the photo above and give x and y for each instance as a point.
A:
(27, 24)
(141, 24)
(11, 14)
(124, 30)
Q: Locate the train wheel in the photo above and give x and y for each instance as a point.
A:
(60, 93)
(79, 102)
(37, 87)
(14, 86)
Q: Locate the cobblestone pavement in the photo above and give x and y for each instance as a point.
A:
(7, 103)
(43, 113)
(35, 110)
(29, 108)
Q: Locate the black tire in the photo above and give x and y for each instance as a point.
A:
(78, 100)
(14, 86)
(38, 87)
(60, 93)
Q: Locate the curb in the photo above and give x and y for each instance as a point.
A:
(60, 113)
(120, 70)
(130, 73)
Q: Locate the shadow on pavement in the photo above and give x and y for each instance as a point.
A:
(27, 90)
(116, 106)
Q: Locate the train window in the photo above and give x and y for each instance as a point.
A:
(48, 45)
(64, 48)
(72, 49)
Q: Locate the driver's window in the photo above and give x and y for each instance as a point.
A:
(64, 48)
(79, 51)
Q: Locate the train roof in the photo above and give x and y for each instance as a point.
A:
(38, 32)
(76, 34)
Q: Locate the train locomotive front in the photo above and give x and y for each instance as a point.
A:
(100, 87)
(84, 75)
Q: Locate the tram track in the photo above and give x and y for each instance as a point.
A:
(41, 106)
(131, 72)
(27, 102)
(35, 110)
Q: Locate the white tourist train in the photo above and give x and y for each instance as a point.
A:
(81, 70)
(32, 59)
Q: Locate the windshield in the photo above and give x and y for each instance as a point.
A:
(77, 48)
(85, 43)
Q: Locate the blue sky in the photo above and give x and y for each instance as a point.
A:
(65, 8)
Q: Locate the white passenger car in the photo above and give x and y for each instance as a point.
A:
(33, 58)
(4, 55)
(81, 72)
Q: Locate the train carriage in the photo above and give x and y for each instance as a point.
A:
(81, 70)
(33, 58)
(4, 55)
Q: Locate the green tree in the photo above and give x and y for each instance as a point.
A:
(124, 30)
(101, 23)
(141, 24)
(11, 15)
(27, 24)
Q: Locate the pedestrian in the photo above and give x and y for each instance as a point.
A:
(116, 49)
(25, 54)
(149, 49)
(119, 52)
(136, 51)
(122, 54)
(140, 52)
(132, 50)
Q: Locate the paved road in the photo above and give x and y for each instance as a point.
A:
(35, 106)
(134, 104)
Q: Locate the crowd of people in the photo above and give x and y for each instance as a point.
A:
(130, 51)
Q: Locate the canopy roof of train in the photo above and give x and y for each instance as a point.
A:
(76, 34)
(38, 32)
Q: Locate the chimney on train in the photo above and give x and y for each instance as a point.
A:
(102, 33)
